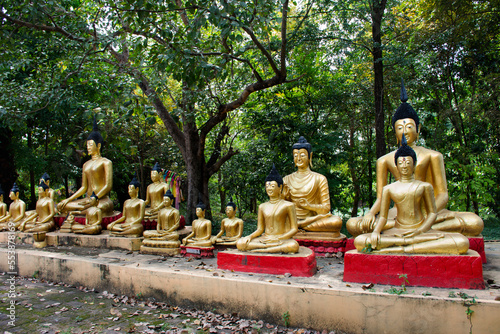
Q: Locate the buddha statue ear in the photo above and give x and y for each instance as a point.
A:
(311, 160)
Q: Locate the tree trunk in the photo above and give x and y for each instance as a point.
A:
(9, 174)
(378, 8)
(222, 192)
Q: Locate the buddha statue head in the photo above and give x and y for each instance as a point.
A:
(133, 187)
(230, 209)
(45, 179)
(94, 140)
(405, 159)
(274, 183)
(156, 173)
(302, 153)
(14, 192)
(168, 198)
(1, 194)
(43, 189)
(405, 120)
(200, 209)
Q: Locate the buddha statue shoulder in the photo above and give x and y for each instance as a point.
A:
(97, 178)
(130, 223)
(201, 235)
(309, 192)
(155, 192)
(42, 219)
(231, 226)
(276, 222)
(412, 232)
(429, 168)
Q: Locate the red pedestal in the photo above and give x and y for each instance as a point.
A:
(150, 224)
(197, 252)
(437, 271)
(475, 244)
(301, 264)
(323, 248)
(59, 220)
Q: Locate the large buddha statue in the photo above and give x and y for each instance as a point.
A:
(412, 231)
(17, 211)
(276, 222)
(93, 218)
(155, 192)
(201, 236)
(3, 206)
(309, 192)
(168, 222)
(232, 226)
(97, 177)
(430, 168)
(41, 220)
(130, 223)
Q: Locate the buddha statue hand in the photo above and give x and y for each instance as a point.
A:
(375, 240)
(271, 241)
(245, 241)
(367, 223)
(304, 203)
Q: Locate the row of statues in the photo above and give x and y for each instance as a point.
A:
(298, 207)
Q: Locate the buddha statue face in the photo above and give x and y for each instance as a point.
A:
(405, 166)
(200, 213)
(408, 128)
(155, 176)
(272, 188)
(301, 158)
(230, 211)
(13, 196)
(93, 148)
(1, 198)
(41, 192)
(168, 202)
(132, 191)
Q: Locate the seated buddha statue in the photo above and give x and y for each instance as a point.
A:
(97, 178)
(42, 219)
(93, 218)
(232, 226)
(276, 222)
(165, 235)
(130, 223)
(155, 192)
(309, 192)
(201, 236)
(412, 232)
(430, 168)
(17, 211)
(3, 206)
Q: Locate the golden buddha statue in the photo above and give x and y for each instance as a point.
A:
(41, 220)
(3, 206)
(166, 235)
(276, 222)
(17, 211)
(97, 177)
(155, 192)
(93, 218)
(201, 236)
(309, 192)
(232, 226)
(430, 168)
(130, 223)
(412, 231)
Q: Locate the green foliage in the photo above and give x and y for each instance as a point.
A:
(402, 289)
(286, 318)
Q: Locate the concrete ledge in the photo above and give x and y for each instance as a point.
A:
(310, 302)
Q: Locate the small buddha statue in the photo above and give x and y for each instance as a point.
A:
(412, 231)
(155, 192)
(232, 226)
(3, 206)
(130, 223)
(309, 192)
(42, 219)
(97, 178)
(430, 168)
(201, 236)
(276, 222)
(93, 218)
(166, 235)
(17, 211)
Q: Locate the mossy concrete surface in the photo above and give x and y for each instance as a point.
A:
(322, 302)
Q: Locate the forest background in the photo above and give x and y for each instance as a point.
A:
(217, 91)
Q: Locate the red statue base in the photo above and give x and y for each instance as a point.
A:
(197, 252)
(475, 244)
(301, 264)
(437, 271)
(324, 248)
